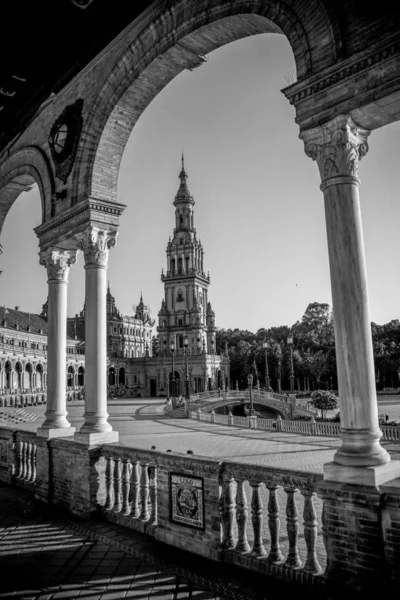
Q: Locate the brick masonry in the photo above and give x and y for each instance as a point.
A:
(347, 61)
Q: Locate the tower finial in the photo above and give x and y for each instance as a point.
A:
(183, 161)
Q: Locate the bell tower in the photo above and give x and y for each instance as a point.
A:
(185, 310)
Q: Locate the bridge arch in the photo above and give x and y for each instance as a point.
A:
(176, 38)
(22, 169)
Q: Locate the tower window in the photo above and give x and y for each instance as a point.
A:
(180, 322)
(181, 220)
(181, 239)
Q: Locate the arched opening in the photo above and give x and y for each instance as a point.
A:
(28, 376)
(39, 376)
(70, 376)
(175, 384)
(81, 376)
(219, 380)
(111, 376)
(7, 369)
(18, 373)
(121, 376)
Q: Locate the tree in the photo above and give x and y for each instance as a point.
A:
(324, 401)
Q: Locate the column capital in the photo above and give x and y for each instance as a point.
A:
(57, 262)
(337, 146)
(96, 244)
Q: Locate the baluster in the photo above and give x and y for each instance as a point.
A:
(241, 518)
(33, 474)
(23, 458)
(257, 520)
(126, 476)
(28, 471)
(117, 485)
(222, 516)
(153, 494)
(144, 492)
(109, 483)
(135, 490)
(20, 461)
(229, 513)
(292, 526)
(275, 555)
(310, 533)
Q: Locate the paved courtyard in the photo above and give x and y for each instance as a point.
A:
(142, 424)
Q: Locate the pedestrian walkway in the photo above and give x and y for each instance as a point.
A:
(46, 554)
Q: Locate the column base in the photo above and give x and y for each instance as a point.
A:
(368, 476)
(98, 437)
(55, 432)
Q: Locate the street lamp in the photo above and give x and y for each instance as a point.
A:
(172, 348)
(212, 365)
(267, 379)
(250, 382)
(185, 349)
(291, 377)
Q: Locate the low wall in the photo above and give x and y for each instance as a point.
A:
(288, 524)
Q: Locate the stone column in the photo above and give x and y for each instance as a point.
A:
(57, 262)
(337, 147)
(96, 428)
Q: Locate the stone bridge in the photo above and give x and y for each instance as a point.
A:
(285, 406)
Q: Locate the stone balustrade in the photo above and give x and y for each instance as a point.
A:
(389, 432)
(257, 517)
(269, 521)
(131, 487)
(18, 457)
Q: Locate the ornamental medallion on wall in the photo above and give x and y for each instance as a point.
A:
(187, 500)
(64, 138)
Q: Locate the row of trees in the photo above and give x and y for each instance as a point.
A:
(314, 354)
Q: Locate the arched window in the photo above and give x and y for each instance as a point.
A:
(70, 376)
(179, 265)
(81, 376)
(121, 376)
(181, 220)
(111, 376)
(181, 341)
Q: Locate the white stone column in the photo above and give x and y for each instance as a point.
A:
(337, 147)
(96, 428)
(57, 262)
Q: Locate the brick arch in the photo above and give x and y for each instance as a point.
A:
(23, 168)
(169, 42)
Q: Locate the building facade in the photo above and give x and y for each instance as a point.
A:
(186, 321)
(23, 359)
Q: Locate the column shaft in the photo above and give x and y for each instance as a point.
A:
(58, 263)
(337, 147)
(96, 428)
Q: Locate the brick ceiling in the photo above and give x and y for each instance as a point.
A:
(44, 43)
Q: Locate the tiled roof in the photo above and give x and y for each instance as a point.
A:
(38, 324)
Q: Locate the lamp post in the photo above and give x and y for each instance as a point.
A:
(212, 365)
(172, 348)
(267, 379)
(185, 348)
(291, 377)
(250, 382)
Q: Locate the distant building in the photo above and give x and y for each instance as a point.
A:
(23, 359)
(128, 337)
(186, 315)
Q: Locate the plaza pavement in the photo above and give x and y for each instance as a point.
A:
(142, 424)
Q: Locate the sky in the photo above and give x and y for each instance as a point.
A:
(259, 210)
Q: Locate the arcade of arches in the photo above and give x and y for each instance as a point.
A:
(347, 61)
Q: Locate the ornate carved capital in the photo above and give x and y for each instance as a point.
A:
(96, 244)
(58, 262)
(337, 147)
